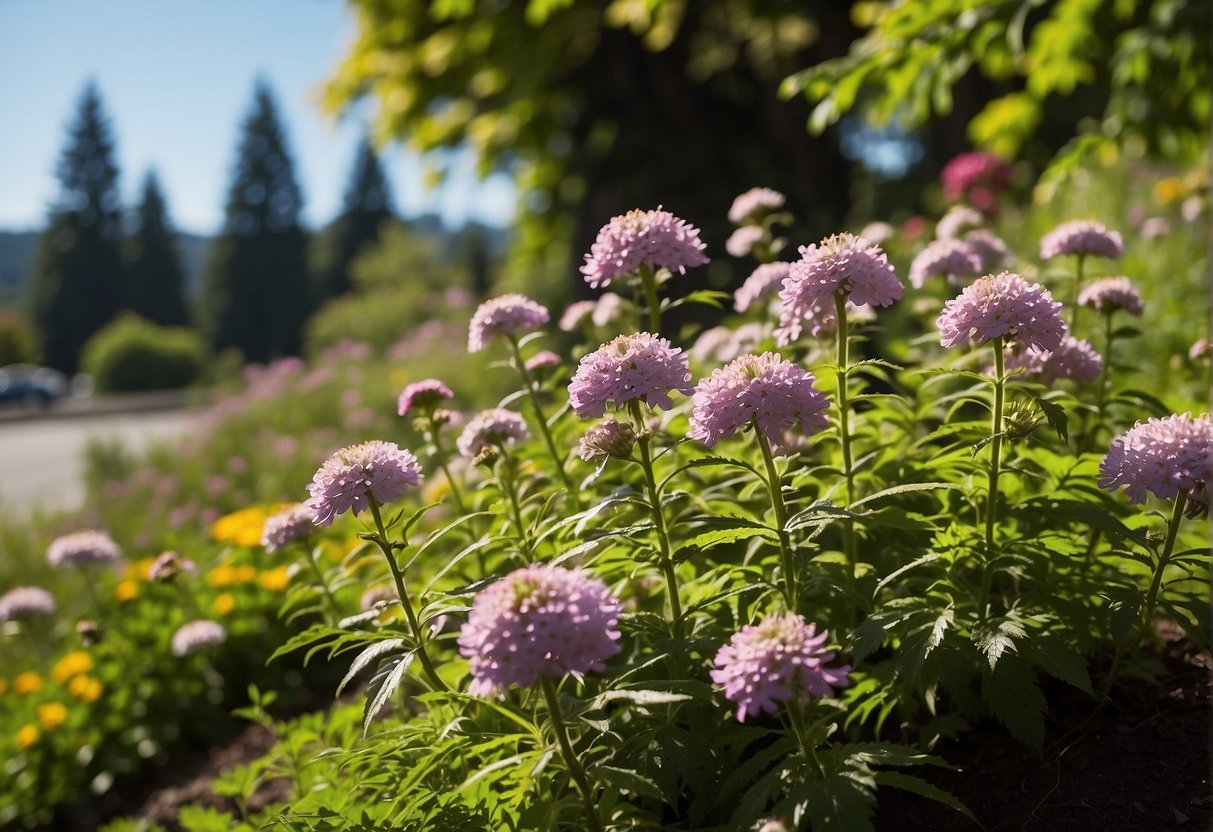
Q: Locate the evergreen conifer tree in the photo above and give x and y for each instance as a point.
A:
(256, 294)
(368, 204)
(155, 278)
(77, 282)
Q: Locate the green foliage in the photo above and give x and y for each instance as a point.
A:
(155, 278)
(1113, 72)
(367, 207)
(77, 283)
(256, 292)
(16, 340)
(133, 354)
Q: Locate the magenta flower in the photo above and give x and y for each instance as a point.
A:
(776, 393)
(506, 315)
(1073, 359)
(776, 660)
(295, 522)
(609, 438)
(989, 248)
(763, 283)
(349, 479)
(638, 366)
(742, 241)
(1111, 293)
(422, 396)
(1162, 456)
(491, 429)
(1081, 237)
(840, 264)
(656, 239)
(26, 602)
(953, 259)
(539, 621)
(750, 205)
(197, 635)
(958, 220)
(977, 178)
(1002, 306)
(83, 549)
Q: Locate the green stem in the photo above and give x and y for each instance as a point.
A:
(509, 486)
(398, 576)
(324, 587)
(992, 489)
(844, 420)
(1101, 394)
(570, 759)
(541, 417)
(775, 489)
(1077, 290)
(649, 281)
(802, 735)
(440, 454)
(663, 539)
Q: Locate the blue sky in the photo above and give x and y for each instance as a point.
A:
(177, 79)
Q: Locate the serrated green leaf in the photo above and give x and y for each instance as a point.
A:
(920, 787)
(367, 656)
(1060, 661)
(630, 781)
(996, 637)
(1016, 701)
(383, 685)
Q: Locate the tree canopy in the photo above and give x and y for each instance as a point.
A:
(155, 278)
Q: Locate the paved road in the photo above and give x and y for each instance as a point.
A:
(42, 461)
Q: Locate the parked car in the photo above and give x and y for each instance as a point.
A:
(28, 385)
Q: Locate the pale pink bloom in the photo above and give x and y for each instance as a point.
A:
(762, 284)
(83, 549)
(295, 522)
(197, 635)
(491, 429)
(1073, 359)
(952, 259)
(753, 203)
(958, 220)
(26, 602)
(1002, 306)
(656, 239)
(1111, 293)
(422, 396)
(349, 479)
(1161, 456)
(743, 240)
(638, 366)
(506, 315)
(1081, 237)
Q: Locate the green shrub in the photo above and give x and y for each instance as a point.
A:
(16, 340)
(133, 354)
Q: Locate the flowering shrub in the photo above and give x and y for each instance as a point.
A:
(661, 589)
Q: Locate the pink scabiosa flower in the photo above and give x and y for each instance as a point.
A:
(167, 566)
(766, 389)
(576, 314)
(422, 396)
(1199, 351)
(83, 549)
(1073, 359)
(878, 233)
(843, 264)
(953, 259)
(542, 363)
(763, 283)
(294, 522)
(506, 315)
(1081, 237)
(958, 220)
(1002, 306)
(776, 660)
(490, 429)
(640, 366)
(196, 635)
(656, 239)
(742, 241)
(750, 205)
(349, 479)
(1108, 294)
(1162, 457)
(607, 439)
(26, 602)
(539, 621)
(989, 248)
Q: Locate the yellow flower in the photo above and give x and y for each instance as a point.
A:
(246, 574)
(221, 576)
(127, 590)
(138, 570)
(73, 664)
(86, 689)
(1168, 190)
(27, 683)
(435, 490)
(225, 603)
(275, 580)
(242, 528)
(51, 715)
(27, 736)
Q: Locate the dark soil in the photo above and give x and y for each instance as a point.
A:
(1139, 763)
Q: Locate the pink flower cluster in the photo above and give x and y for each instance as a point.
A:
(977, 178)
(349, 479)
(753, 203)
(196, 635)
(422, 396)
(763, 283)
(843, 264)
(1108, 294)
(83, 549)
(1073, 359)
(767, 389)
(283, 527)
(775, 661)
(1002, 306)
(989, 248)
(493, 428)
(26, 602)
(958, 220)
(953, 259)
(742, 241)
(505, 315)
(1161, 456)
(656, 239)
(1081, 237)
(539, 621)
(638, 366)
